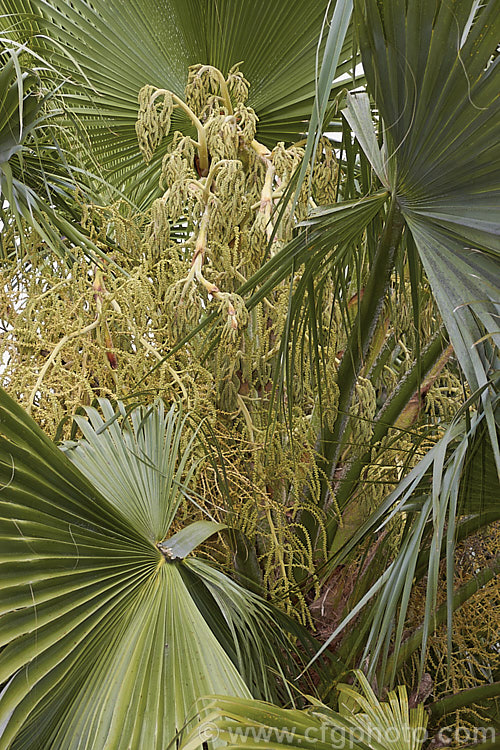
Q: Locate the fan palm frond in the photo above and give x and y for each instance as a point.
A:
(110, 631)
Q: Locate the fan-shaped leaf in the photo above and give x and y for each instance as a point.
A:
(116, 49)
(430, 70)
(106, 642)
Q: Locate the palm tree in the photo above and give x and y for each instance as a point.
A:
(410, 230)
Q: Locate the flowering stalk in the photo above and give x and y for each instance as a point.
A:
(202, 136)
(226, 99)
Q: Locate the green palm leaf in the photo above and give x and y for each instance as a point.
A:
(38, 177)
(144, 478)
(107, 640)
(117, 49)
(430, 72)
(325, 240)
(429, 501)
(362, 721)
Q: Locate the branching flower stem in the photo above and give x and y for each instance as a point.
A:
(261, 150)
(104, 294)
(266, 200)
(210, 178)
(223, 86)
(196, 273)
(202, 136)
(54, 354)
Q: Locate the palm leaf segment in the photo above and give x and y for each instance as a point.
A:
(107, 639)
